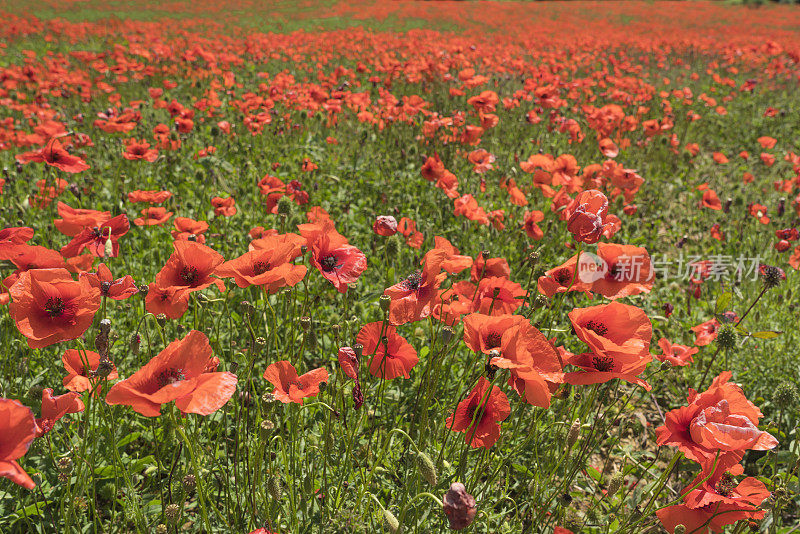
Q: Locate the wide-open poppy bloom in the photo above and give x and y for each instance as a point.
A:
(561, 279)
(717, 500)
(189, 269)
(479, 415)
(599, 367)
(117, 289)
(171, 301)
(136, 150)
(587, 216)
(392, 355)
(706, 332)
(224, 207)
(48, 306)
(81, 366)
(54, 408)
(96, 239)
(271, 268)
(17, 430)
(55, 155)
(186, 227)
(628, 271)
(484, 333)
(289, 387)
(615, 329)
(337, 261)
(182, 372)
(719, 420)
(677, 355)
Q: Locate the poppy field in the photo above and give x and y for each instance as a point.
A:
(398, 266)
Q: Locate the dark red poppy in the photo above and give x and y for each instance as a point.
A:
(479, 415)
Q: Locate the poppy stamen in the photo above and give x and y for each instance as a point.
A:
(170, 376)
(54, 306)
(189, 275)
(328, 263)
(603, 363)
(598, 328)
(260, 267)
(493, 340)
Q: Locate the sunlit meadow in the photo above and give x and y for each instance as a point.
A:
(399, 266)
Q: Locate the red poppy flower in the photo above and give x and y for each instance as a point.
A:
(117, 289)
(178, 373)
(96, 239)
(599, 367)
(56, 156)
(135, 150)
(706, 332)
(10, 238)
(54, 408)
(677, 355)
(271, 268)
(74, 220)
(562, 278)
(80, 366)
(479, 415)
(151, 197)
(48, 306)
(413, 297)
(451, 261)
(224, 207)
(337, 261)
(153, 216)
(587, 215)
(17, 430)
(392, 355)
(385, 225)
(186, 227)
(616, 330)
(716, 500)
(289, 387)
(497, 296)
(531, 228)
(485, 268)
(759, 211)
(719, 419)
(484, 333)
(171, 301)
(535, 365)
(189, 269)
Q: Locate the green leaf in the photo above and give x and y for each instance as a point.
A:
(723, 302)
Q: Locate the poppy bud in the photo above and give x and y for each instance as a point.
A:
(781, 207)
(109, 248)
(392, 248)
(574, 431)
(459, 506)
(189, 483)
(427, 469)
(385, 301)
(134, 343)
(385, 225)
(274, 487)
(161, 319)
(447, 334)
(782, 245)
(284, 206)
(172, 512)
(614, 484)
(390, 522)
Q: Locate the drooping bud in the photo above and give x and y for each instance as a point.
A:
(427, 469)
(574, 432)
(390, 522)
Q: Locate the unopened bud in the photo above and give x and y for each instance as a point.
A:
(614, 484)
(427, 469)
(390, 522)
(274, 487)
(572, 435)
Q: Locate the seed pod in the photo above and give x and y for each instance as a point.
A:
(385, 301)
(679, 529)
(426, 468)
(172, 512)
(189, 483)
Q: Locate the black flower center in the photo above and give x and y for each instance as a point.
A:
(54, 306)
(260, 267)
(597, 327)
(562, 276)
(169, 376)
(603, 363)
(189, 275)
(413, 280)
(493, 340)
(725, 485)
(328, 263)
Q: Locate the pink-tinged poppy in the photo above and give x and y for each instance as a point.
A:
(182, 373)
(289, 387)
(587, 218)
(385, 225)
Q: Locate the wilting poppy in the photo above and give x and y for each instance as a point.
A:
(479, 415)
(17, 430)
(392, 355)
(720, 419)
(48, 306)
(289, 387)
(587, 218)
(181, 373)
(385, 225)
(74, 220)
